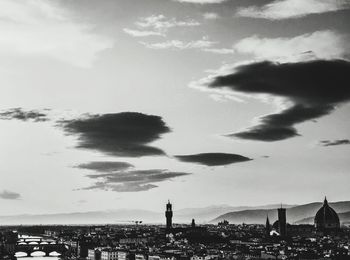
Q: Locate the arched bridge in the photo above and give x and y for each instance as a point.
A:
(35, 241)
(30, 246)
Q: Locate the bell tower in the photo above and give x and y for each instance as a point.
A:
(169, 215)
(282, 222)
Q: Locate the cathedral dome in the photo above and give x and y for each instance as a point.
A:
(326, 217)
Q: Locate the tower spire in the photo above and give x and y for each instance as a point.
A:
(267, 226)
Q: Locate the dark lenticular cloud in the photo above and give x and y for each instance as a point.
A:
(124, 178)
(335, 142)
(126, 134)
(314, 88)
(213, 159)
(20, 114)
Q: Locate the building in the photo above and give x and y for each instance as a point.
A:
(282, 222)
(326, 218)
(122, 255)
(280, 225)
(140, 257)
(267, 226)
(94, 254)
(109, 254)
(169, 215)
(193, 223)
(133, 240)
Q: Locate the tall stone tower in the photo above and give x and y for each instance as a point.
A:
(282, 222)
(169, 215)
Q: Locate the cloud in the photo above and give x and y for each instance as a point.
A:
(160, 22)
(213, 159)
(317, 45)
(106, 166)
(20, 114)
(220, 50)
(310, 89)
(9, 195)
(157, 25)
(201, 1)
(138, 33)
(335, 142)
(45, 28)
(125, 134)
(180, 45)
(287, 9)
(122, 177)
(211, 16)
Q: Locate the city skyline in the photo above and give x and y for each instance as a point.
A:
(124, 104)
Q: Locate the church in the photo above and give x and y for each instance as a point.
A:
(326, 221)
(326, 218)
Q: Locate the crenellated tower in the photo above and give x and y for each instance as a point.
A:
(169, 215)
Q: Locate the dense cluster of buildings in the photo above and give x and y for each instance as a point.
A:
(326, 222)
(326, 239)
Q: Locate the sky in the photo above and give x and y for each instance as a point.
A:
(110, 104)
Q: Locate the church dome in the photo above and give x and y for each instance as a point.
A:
(326, 217)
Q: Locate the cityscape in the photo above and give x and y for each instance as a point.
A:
(174, 129)
(325, 239)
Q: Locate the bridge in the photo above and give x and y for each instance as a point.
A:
(31, 245)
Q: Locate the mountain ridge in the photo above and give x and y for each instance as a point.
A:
(114, 216)
(294, 214)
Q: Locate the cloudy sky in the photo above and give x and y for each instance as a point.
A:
(127, 103)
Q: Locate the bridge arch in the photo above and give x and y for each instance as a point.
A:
(37, 253)
(21, 254)
(55, 253)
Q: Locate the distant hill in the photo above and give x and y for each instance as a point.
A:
(246, 214)
(294, 214)
(125, 216)
(203, 215)
(120, 216)
(343, 217)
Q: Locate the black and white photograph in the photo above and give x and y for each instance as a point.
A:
(174, 129)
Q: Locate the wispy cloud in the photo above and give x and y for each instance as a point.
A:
(23, 115)
(335, 142)
(220, 50)
(9, 195)
(201, 1)
(180, 45)
(160, 22)
(325, 44)
(285, 9)
(38, 27)
(140, 33)
(157, 25)
(211, 16)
